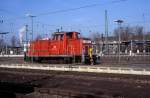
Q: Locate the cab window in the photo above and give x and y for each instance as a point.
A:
(69, 35)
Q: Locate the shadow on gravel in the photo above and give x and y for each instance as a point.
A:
(9, 90)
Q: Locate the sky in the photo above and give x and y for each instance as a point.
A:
(84, 16)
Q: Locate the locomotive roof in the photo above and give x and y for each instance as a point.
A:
(55, 33)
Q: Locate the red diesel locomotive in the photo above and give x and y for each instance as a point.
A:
(64, 47)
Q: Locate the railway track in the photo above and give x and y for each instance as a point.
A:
(17, 61)
(111, 61)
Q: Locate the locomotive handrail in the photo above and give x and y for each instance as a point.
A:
(94, 69)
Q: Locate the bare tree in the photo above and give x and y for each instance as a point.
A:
(14, 41)
(125, 33)
(95, 36)
(129, 33)
(138, 30)
(1, 43)
(147, 36)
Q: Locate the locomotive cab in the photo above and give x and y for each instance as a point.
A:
(72, 35)
(65, 35)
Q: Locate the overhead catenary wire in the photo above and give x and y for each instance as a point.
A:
(78, 8)
(7, 11)
(79, 26)
(70, 9)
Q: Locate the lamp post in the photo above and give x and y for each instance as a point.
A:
(31, 16)
(106, 32)
(119, 22)
(4, 33)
